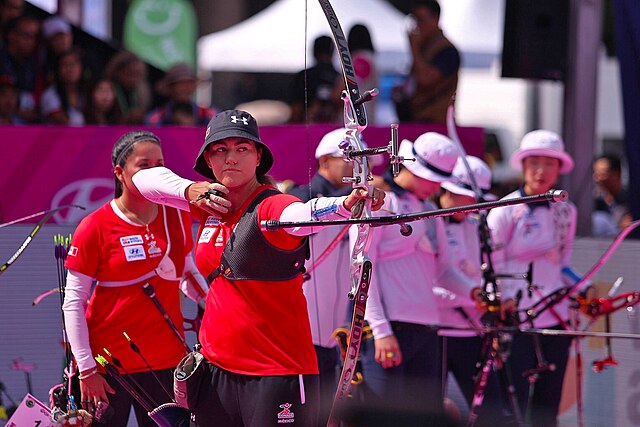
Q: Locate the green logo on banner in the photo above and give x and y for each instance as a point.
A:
(162, 32)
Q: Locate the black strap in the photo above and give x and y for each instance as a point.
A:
(259, 198)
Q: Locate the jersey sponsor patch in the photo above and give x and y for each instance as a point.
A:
(205, 236)
(73, 251)
(212, 221)
(134, 253)
(131, 240)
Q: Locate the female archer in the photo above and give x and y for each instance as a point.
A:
(261, 366)
(127, 246)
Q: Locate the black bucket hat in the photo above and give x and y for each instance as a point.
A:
(228, 124)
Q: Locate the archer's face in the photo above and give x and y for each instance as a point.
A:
(424, 188)
(540, 173)
(145, 155)
(334, 169)
(233, 161)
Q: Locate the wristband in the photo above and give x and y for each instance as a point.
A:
(91, 373)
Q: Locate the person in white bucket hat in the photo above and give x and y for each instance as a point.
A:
(540, 234)
(456, 306)
(400, 352)
(434, 154)
(542, 143)
(464, 185)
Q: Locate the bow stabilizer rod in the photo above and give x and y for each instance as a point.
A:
(550, 196)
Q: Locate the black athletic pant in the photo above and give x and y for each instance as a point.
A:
(122, 401)
(235, 400)
(543, 405)
(328, 362)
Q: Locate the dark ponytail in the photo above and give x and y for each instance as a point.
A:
(123, 148)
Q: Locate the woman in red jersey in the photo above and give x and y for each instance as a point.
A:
(262, 368)
(127, 246)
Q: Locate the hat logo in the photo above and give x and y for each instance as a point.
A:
(244, 120)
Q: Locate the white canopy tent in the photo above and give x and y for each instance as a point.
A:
(275, 39)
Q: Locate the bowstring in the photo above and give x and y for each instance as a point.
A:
(309, 167)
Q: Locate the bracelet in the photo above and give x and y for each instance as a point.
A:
(91, 373)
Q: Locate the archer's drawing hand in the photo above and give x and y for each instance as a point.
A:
(209, 197)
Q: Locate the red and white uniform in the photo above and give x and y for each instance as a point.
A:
(250, 327)
(122, 256)
(254, 327)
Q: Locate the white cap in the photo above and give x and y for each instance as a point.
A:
(462, 183)
(330, 146)
(435, 156)
(542, 143)
(53, 25)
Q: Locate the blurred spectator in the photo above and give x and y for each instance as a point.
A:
(129, 75)
(9, 9)
(610, 212)
(8, 102)
(101, 107)
(57, 38)
(17, 59)
(426, 94)
(363, 60)
(63, 101)
(318, 83)
(179, 85)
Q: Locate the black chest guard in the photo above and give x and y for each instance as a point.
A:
(249, 256)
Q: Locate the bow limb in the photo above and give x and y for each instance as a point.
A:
(43, 295)
(355, 121)
(47, 214)
(602, 260)
(559, 295)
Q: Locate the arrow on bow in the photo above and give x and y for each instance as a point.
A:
(47, 214)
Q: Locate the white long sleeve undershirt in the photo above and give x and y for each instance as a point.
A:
(76, 296)
(161, 185)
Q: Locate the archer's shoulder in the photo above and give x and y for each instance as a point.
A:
(95, 221)
(275, 204)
